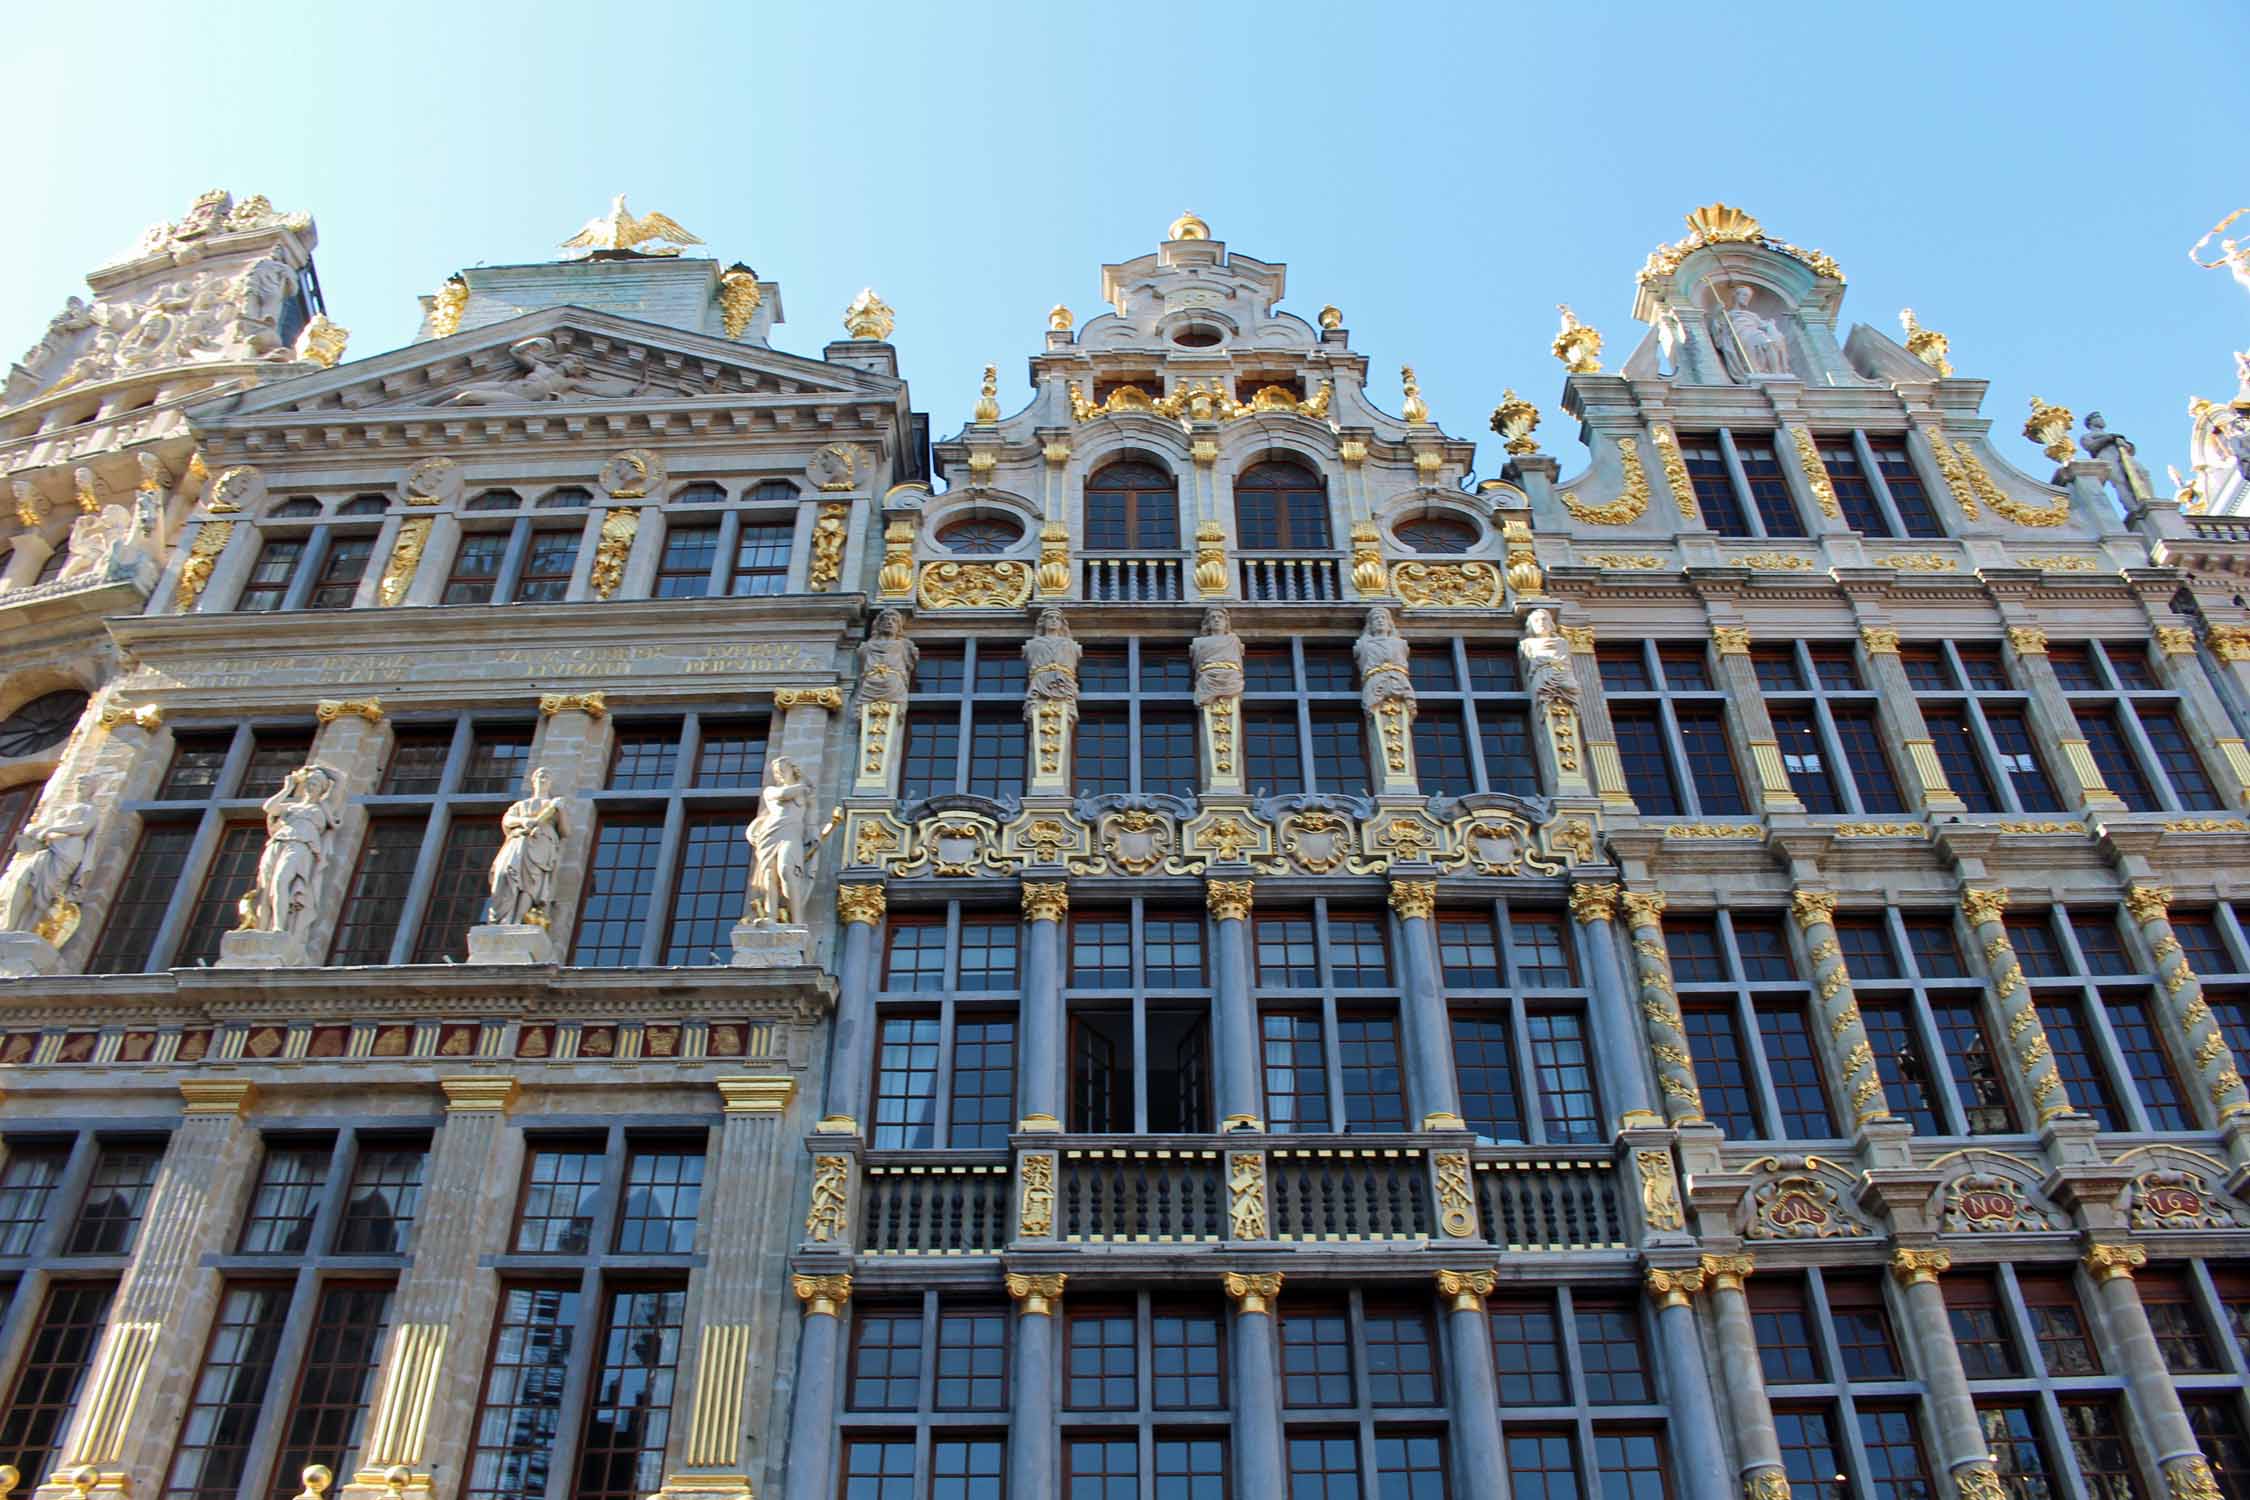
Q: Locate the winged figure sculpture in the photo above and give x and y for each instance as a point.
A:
(619, 230)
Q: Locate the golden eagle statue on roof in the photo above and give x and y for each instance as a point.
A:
(619, 230)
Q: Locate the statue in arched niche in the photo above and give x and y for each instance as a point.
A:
(1748, 343)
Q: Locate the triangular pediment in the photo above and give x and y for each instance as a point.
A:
(554, 360)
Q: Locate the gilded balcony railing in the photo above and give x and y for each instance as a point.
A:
(1549, 1202)
(931, 1203)
(1349, 1193)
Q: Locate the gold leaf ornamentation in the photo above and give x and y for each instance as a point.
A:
(959, 585)
(1629, 506)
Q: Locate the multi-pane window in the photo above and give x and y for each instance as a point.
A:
(308, 559)
(964, 721)
(1328, 1020)
(926, 1399)
(1580, 1411)
(945, 1030)
(286, 1199)
(2135, 727)
(201, 835)
(1902, 482)
(567, 1325)
(1927, 1022)
(213, 1449)
(117, 1194)
(52, 1372)
(384, 1197)
(1739, 485)
(1136, 719)
(1749, 1027)
(525, 560)
(1472, 723)
(1522, 1046)
(1670, 721)
(1137, 990)
(670, 862)
(1281, 507)
(1132, 506)
(714, 548)
(1981, 726)
(27, 1189)
(2104, 1022)
(1828, 726)
(1362, 1397)
(1845, 1412)
(1303, 729)
(1877, 487)
(336, 1383)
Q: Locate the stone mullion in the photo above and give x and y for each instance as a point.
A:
(1429, 1043)
(811, 1460)
(1607, 768)
(1032, 1465)
(1255, 1373)
(1750, 1413)
(2024, 1037)
(729, 1330)
(1616, 1033)
(1660, 1010)
(1851, 1058)
(2056, 722)
(573, 745)
(144, 1367)
(1922, 773)
(1962, 1449)
(861, 909)
(2203, 716)
(1471, 1386)
(433, 1364)
(1701, 1459)
(1746, 711)
(2187, 1475)
(1040, 1065)
(1241, 1095)
(2205, 1045)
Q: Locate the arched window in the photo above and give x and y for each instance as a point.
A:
(1132, 506)
(301, 505)
(43, 722)
(980, 536)
(1281, 507)
(773, 491)
(1436, 534)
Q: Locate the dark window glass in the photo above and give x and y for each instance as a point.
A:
(268, 583)
(1509, 765)
(1926, 669)
(476, 568)
(341, 570)
(972, 1360)
(1864, 1340)
(714, 872)
(1484, 1062)
(1764, 950)
(1806, 760)
(915, 956)
(459, 890)
(996, 753)
(1692, 944)
(930, 763)
(1100, 1368)
(2081, 1075)
(2101, 943)
(1624, 669)
(1980, 1329)
(327, 1414)
(1784, 1331)
(417, 764)
(282, 1205)
(683, 570)
(1721, 1074)
(1796, 1068)
(2036, 947)
(1809, 1453)
(142, 899)
(1710, 763)
(1410, 1466)
(1101, 1468)
(2199, 940)
(27, 1188)
(906, 1062)
(222, 1413)
(1102, 751)
(53, 1371)
(2106, 1464)
(1776, 668)
(1609, 1351)
(1987, 673)
(2011, 1437)
(2147, 1063)
(1908, 496)
(1281, 507)
(2178, 1327)
(2217, 1424)
(614, 912)
(989, 952)
(1957, 754)
(1648, 765)
(984, 1082)
(1527, 1352)
(1976, 1077)
(629, 1418)
(1633, 1465)
(372, 906)
(761, 559)
(2105, 737)
(1866, 948)
(1172, 950)
(1540, 1466)
(498, 758)
(1195, 1468)
(1713, 485)
(1686, 669)
(386, 1193)
(2191, 785)
(1187, 1363)
(886, 1369)
(1371, 1072)
(1769, 491)
(644, 758)
(730, 755)
(547, 564)
(519, 1413)
(560, 1187)
(109, 1219)
(663, 1197)
(1441, 752)
(1132, 506)
(1295, 1069)
(1907, 1085)
(216, 912)
(1896, 1466)
(1316, 1358)
(1855, 493)
(1862, 739)
(1936, 954)
(1563, 1065)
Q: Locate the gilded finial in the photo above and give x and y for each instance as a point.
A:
(1718, 224)
(1059, 319)
(10, 1477)
(316, 1479)
(988, 402)
(1925, 344)
(446, 307)
(869, 317)
(2049, 426)
(738, 298)
(1331, 317)
(1189, 227)
(1513, 419)
(1416, 410)
(1577, 346)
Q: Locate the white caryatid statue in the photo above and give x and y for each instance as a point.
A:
(301, 821)
(48, 856)
(1545, 654)
(1217, 654)
(783, 847)
(1381, 654)
(523, 872)
(886, 660)
(1051, 663)
(1748, 343)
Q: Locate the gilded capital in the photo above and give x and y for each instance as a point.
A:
(2148, 903)
(2029, 640)
(1581, 639)
(491, 1094)
(592, 705)
(1911, 1267)
(2108, 1262)
(1591, 902)
(1467, 1289)
(1986, 905)
(1256, 1293)
(2230, 642)
(1878, 640)
(1229, 900)
(329, 710)
(1726, 1273)
(755, 1095)
(1045, 900)
(822, 1294)
(147, 718)
(1673, 1288)
(2175, 640)
(2189, 1477)
(1645, 908)
(1765, 1484)
(1732, 640)
(217, 1096)
(812, 697)
(1414, 898)
(861, 903)
(1813, 908)
(1979, 1482)
(1038, 1294)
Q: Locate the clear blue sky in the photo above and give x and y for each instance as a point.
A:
(2027, 178)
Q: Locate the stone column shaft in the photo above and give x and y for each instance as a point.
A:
(2155, 1399)
(1241, 1086)
(2025, 1037)
(1749, 1413)
(1260, 1467)
(1922, 774)
(2205, 720)
(1040, 1066)
(1033, 1466)
(1961, 1448)
(861, 908)
(1699, 1458)
(1660, 1010)
(1617, 1032)
(1471, 1387)
(811, 1465)
(2080, 778)
(1746, 706)
(1606, 768)
(2214, 1062)
(1851, 1059)
(1429, 1042)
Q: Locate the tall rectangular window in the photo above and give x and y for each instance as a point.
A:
(137, 912)
(683, 569)
(27, 1191)
(109, 1219)
(562, 1183)
(285, 1200)
(459, 888)
(1980, 726)
(663, 1200)
(476, 568)
(336, 586)
(385, 1195)
(1769, 489)
(377, 895)
(52, 1373)
(216, 912)
(714, 874)
(327, 1414)
(630, 1416)
(620, 879)
(222, 1413)
(268, 583)
(519, 1412)
(1909, 495)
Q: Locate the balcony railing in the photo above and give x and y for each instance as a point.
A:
(2218, 528)
(935, 1206)
(1550, 1203)
(1130, 580)
(1145, 1196)
(1285, 580)
(1349, 1193)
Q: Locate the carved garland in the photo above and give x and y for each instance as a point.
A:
(2004, 505)
(1627, 507)
(1675, 473)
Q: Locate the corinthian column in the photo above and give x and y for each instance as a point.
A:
(2183, 991)
(1749, 1413)
(1960, 1438)
(1660, 1010)
(1241, 1094)
(1844, 1036)
(1032, 1467)
(1687, 1385)
(2155, 1399)
(1471, 1388)
(1258, 1466)
(812, 1420)
(2025, 1036)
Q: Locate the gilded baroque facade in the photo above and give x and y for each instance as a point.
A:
(1722, 974)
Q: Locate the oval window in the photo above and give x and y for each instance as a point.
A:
(980, 536)
(44, 721)
(1436, 534)
(1197, 336)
